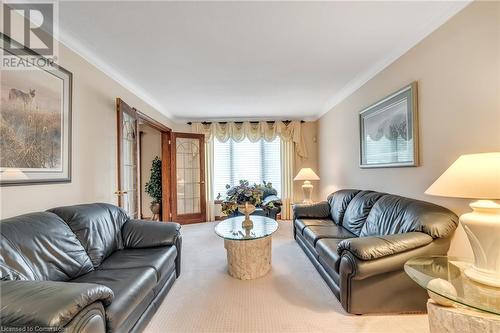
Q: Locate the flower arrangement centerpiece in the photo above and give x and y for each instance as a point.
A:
(243, 197)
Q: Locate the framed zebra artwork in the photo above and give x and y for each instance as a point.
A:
(35, 118)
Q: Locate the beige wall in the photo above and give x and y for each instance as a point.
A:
(310, 133)
(150, 148)
(94, 143)
(458, 72)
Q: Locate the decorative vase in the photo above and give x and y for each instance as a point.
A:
(247, 209)
(155, 209)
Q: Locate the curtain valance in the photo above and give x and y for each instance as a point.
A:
(254, 131)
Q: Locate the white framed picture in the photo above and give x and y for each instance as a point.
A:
(389, 131)
(35, 121)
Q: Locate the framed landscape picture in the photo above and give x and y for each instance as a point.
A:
(35, 122)
(389, 131)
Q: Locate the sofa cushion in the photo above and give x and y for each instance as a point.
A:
(338, 203)
(161, 259)
(375, 247)
(327, 251)
(130, 286)
(300, 224)
(97, 226)
(313, 233)
(393, 214)
(40, 246)
(358, 209)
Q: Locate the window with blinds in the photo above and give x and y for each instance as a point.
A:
(254, 161)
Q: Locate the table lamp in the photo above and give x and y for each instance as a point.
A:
(477, 176)
(307, 174)
(12, 174)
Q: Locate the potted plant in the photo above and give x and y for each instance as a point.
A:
(153, 188)
(243, 197)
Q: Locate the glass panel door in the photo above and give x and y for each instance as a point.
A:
(188, 156)
(127, 159)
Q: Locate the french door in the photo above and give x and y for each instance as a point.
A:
(127, 128)
(188, 175)
(183, 169)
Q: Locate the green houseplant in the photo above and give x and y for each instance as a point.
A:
(153, 188)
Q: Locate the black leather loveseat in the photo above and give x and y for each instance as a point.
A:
(359, 241)
(85, 268)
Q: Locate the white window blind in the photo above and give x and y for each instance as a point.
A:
(389, 151)
(254, 161)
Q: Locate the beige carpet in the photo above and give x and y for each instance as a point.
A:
(290, 298)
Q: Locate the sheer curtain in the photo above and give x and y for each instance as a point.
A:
(292, 142)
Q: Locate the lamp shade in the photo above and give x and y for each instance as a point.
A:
(12, 173)
(306, 174)
(474, 176)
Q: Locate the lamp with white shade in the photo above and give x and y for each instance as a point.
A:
(12, 174)
(477, 176)
(307, 174)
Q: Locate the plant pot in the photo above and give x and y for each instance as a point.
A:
(155, 209)
(247, 209)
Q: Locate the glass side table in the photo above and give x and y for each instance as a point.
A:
(457, 300)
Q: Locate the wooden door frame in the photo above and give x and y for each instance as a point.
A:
(166, 211)
(165, 156)
(140, 135)
(166, 171)
(133, 112)
(188, 218)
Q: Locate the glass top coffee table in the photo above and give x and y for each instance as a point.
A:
(444, 279)
(248, 249)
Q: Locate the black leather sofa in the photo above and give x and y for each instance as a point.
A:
(85, 268)
(359, 241)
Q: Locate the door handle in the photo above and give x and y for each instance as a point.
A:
(121, 192)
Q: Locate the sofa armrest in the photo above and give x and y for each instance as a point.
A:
(274, 199)
(351, 267)
(318, 210)
(142, 234)
(92, 319)
(47, 303)
(374, 247)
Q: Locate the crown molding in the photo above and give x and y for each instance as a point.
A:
(397, 53)
(70, 43)
(128, 84)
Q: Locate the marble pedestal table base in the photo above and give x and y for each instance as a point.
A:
(248, 259)
(453, 319)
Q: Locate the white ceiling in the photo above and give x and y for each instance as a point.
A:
(246, 60)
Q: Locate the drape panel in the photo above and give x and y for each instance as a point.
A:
(209, 179)
(254, 131)
(292, 142)
(287, 158)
